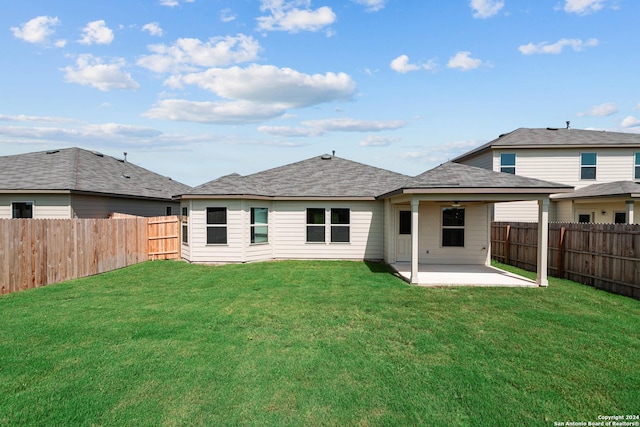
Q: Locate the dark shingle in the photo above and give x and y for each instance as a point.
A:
(609, 189)
(75, 169)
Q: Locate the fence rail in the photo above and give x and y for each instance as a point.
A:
(38, 252)
(606, 256)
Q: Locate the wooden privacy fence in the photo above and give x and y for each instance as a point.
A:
(606, 256)
(38, 252)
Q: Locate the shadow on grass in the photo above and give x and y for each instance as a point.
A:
(380, 267)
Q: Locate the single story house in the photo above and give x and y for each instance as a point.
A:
(77, 183)
(327, 207)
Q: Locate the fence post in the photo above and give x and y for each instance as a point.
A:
(507, 246)
(561, 253)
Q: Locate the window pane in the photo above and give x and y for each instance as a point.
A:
(509, 169)
(315, 233)
(259, 234)
(259, 215)
(216, 215)
(588, 159)
(339, 216)
(315, 216)
(185, 211)
(339, 234)
(216, 235)
(405, 222)
(453, 237)
(453, 217)
(638, 159)
(637, 172)
(23, 210)
(584, 218)
(185, 235)
(168, 211)
(507, 159)
(620, 218)
(588, 173)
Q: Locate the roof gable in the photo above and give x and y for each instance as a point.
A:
(75, 169)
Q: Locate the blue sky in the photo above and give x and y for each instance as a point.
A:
(197, 89)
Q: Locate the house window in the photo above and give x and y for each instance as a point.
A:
(22, 209)
(508, 163)
(584, 218)
(259, 225)
(588, 165)
(620, 217)
(453, 227)
(405, 222)
(340, 225)
(216, 226)
(185, 224)
(167, 211)
(637, 166)
(315, 225)
(185, 233)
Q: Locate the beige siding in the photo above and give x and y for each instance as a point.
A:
(600, 212)
(44, 205)
(563, 211)
(85, 206)
(287, 232)
(366, 231)
(516, 211)
(476, 237)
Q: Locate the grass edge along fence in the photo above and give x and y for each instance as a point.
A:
(39, 252)
(605, 256)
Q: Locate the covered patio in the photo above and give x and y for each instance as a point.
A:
(440, 224)
(462, 275)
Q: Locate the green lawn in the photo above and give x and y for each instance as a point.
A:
(312, 343)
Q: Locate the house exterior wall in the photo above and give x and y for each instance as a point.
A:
(88, 206)
(476, 239)
(560, 165)
(44, 205)
(286, 232)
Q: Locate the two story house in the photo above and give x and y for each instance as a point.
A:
(603, 167)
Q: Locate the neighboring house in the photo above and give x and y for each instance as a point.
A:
(331, 208)
(603, 167)
(77, 183)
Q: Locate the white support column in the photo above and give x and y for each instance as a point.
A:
(630, 206)
(543, 241)
(415, 251)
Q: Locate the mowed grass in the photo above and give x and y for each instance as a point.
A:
(312, 343)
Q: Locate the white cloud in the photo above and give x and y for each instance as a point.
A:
(556, 48)
(583, 7)
(87, 135)
(294, 16)
(187, 54)
(96, 32)
(378, 141)
(34, 119)
(153, 28)
(371, 5)
(36, 30)
(237, 112)
(268, 84)
(173, 3)
(441, 153)
(288, 131)
(486, 8)
(91, 71)
(602, 110)
(464, 61)
(402, 65)
(227, 15)
(630, 122)
(353, 125)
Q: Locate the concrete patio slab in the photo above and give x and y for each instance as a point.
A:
(462, 275)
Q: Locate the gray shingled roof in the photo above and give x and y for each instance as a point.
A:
(456, 175)
(557, 138)
(321, 176)
(79, 170)
(610, 189)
